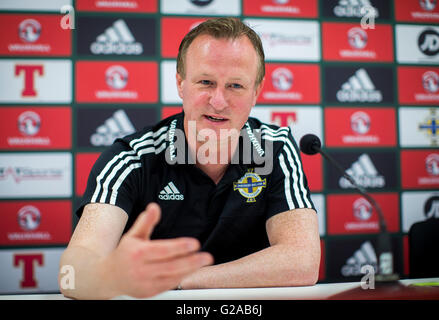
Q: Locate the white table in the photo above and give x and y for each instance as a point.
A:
(316, 292)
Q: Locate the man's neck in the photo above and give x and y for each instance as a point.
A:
(212, 156)
(213, 171)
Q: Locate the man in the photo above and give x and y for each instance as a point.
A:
(189, 183)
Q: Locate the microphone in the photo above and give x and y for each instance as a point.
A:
(310, 144)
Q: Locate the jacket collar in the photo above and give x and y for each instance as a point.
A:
(249, 153)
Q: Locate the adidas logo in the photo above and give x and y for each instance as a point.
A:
(118, 126)
(434, 210)
(364, 173)
(170, 192)
(363, 256)
(353, 8)
(117, 39)
(359, 88)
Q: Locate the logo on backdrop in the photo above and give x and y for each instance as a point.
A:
(29, 123)
(353, 8)
(29, 218)
(117, 39)
(282, 79)
(430, 126)
(36, 36)
(365, 174)
(101, 126)
(432, 164)
(359, 85)
(360, 122)
(359, 88)
(116, 77)
(364, 256)
(427, 5)
(362, 209)
(113, 35)
(375, 170)
(430, 81)
(357, 38)
(288, 40)
(201, 3)
(431, 207)
(360, 9)
(22, 173)
(29, 30)
(118, 126)
(284, 119)
(29, 74)
(428, 42)
(43, 222)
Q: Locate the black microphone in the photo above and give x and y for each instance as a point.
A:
(310, 144)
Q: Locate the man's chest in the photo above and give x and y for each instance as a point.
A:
(192, 205)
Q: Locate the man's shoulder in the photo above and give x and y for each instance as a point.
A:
(269, 131)
(149, 141)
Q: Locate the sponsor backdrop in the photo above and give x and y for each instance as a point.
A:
(77, 74)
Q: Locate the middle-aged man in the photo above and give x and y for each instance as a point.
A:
(209, 178)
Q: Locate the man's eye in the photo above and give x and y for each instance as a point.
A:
(206, 82)
(236, 86)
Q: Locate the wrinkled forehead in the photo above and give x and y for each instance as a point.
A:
(231, 52)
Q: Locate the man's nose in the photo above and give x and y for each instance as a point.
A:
(218, 99)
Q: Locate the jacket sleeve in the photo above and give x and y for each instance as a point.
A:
(288, 187)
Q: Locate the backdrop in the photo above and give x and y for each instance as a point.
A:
(362, 75)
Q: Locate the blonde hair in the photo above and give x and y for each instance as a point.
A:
(222, 28)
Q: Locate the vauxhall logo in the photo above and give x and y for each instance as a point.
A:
(428, 5)
(29, 30)
(428, 42)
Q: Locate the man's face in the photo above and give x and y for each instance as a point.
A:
(219, 89)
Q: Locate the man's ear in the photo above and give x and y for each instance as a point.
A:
(179, 81)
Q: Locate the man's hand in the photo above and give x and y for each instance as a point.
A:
(141, 267)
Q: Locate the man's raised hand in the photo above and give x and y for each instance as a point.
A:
(141, 267)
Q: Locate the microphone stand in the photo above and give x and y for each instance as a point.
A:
(385, 260)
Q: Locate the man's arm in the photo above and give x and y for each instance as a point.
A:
(136, 266)
(292, 259)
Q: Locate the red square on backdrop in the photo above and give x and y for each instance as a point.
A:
(350, 42)
(357, 215)
(143, 6)
(35, 222)
(173, 31)
(116, 81)
(416, 10)
(418, 85)
(312, 166)
(322, 266)
(297, 8)
(34, 35)
(291, 83)
(83, 165)
(170, 111)
(36, 128)
(360, 127)
(420, 169)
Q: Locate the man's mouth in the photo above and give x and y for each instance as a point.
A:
(215, 118)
